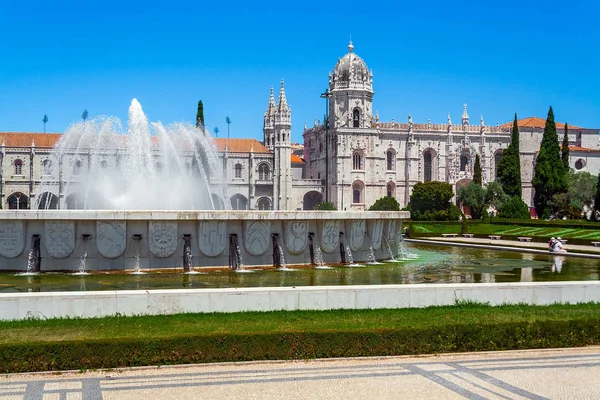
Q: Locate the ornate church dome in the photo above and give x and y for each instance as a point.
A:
(350, 72)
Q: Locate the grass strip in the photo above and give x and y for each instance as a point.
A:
(61, 344)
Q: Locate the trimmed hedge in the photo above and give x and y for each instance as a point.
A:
(112, 353)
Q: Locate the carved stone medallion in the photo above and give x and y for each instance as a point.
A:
(212, 237)
(296, 236)
(330, 237)
(111, 238)
(376, 233)
(357, 234)
(257, 237)
(163, 238)
(59, 238)
(12, 240)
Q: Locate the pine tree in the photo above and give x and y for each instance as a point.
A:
(549, 176)
(565, 149)
(477, 171)
(200, 115)
(509, 167)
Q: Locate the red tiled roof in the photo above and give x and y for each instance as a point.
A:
(583, 149)
(241, 145)
(296, 159)
(535, 122)
(24, 139)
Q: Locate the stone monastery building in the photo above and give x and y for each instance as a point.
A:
(352, 159)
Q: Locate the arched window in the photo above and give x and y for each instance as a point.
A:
(497, 157)
(263, 172)
(427, 169)
(357, 161)
(18, 201)
(263, 203)
(47, 167)
(104, 164)
(464, 161)
(18, 167)
(357, 192)
(356, 118)
(238, 170)
(391, 189)
(77, 167)
(390, 159)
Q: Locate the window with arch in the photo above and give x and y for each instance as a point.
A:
(77, 167)
(238, 170)
(357, 163)
(391, 189)
(264, 203)
(427, 166)
(18, 166)
(358, 192)
(263, 172)
(390, 156)
(104, 164)
(356, 118)
(47, 167)
(579, 164)
(464, 161)
(497, 157)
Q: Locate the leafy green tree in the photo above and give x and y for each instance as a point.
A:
(550, 175)
(564, 150)
(515, 208)
(200, 115)
(494, 194)
(477, 171)
(509, 167)
(431, 196)
(325, 206)
(582, 187)
(473, 195)
(385, 204)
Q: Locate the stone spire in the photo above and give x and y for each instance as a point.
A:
(271, 108)
(269, 121)
(465, 116)
(350, 47)
(282, 107)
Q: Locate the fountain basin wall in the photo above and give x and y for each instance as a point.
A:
(162, 302)
(117, 240)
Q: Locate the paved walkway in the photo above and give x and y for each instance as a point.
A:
(489, 243)
(537, 374)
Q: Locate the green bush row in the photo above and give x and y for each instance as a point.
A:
(113, 353)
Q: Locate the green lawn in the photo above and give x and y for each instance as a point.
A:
(480, 228)
(67, 344)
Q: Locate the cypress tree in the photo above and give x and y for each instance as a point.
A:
(597, 199)
(477, 171)
(509, 167)
(549, 174)
(565, 149)
(200, 115)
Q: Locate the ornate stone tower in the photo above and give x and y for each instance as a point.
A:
(351, 91)
(282, 152)
(269, 122)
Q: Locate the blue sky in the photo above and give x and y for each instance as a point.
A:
(428, 58)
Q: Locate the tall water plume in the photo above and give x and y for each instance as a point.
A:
(99, 165)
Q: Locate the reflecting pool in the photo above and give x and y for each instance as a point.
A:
(434, 264)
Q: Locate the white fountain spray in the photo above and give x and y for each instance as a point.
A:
(148, 166)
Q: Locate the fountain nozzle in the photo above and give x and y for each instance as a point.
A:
(136, 237)
(86, 237)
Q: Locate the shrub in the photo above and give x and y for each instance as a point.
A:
(385, 204)
(325, 206)
(514, 208)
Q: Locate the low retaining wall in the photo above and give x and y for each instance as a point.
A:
(158, 302)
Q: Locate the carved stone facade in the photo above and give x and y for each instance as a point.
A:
(369, 159)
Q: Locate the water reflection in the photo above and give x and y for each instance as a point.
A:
(434, 265)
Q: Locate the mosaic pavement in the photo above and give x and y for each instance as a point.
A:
(550, 374)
